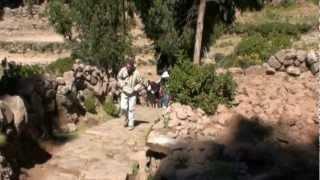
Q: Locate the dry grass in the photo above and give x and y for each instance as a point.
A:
(302, 13)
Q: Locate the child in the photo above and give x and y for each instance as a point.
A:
(164, 94)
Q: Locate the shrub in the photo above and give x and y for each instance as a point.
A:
(60, 18)
(288, 3)
(101, 36)
(110, 108)
(9, 77)
(90, 104)
(264, 47)
(262, 41)
(270, 28)
(60, 66)
(240, 61)
(200, 86)
(26, 71)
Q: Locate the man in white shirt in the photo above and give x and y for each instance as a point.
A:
(130, 83)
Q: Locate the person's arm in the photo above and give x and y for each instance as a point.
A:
(139, 82)
(120, 78)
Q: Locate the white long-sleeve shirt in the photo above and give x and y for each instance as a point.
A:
(129, 83)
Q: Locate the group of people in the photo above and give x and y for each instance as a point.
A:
(131, 83)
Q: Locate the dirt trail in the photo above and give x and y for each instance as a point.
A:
(105, 152)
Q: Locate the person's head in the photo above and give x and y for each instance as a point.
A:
(131, 65)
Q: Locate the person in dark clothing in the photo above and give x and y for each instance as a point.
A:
(153, 94)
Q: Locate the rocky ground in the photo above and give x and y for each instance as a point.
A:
(107, 152)
(273, 114)
(272, 122)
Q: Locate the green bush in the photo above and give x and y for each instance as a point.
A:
(90, 104)
(288, 3)
(200, 86)
(270, 28)
(60, 18)
(110, 108)
(262, 41)
(60, 66)
(264, 47)
(9, 78)
(101, 36)
(29, 70)
(240, 61)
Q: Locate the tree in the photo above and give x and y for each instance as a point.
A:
(198, 43)
(173, 24)
(95, 29)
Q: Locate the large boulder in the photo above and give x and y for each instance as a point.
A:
(17, 106)
(6, 119)
(160, 143)
(294, 71)
(312, 57)
(314, 68)
(274, 63)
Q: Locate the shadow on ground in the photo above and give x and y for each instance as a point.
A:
(138, 122)
(252, 152)
(24, 153)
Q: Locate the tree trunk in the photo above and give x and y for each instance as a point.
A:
(124, 14)
(198, 43)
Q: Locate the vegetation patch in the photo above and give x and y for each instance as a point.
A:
(110, 108)
(261, 41)
(90, 104)
(200, 86)
(270, 28)
(60, 66)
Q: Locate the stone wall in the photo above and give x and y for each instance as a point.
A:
(57, 103)
(294, 62)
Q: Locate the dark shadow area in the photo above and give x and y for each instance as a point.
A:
(15, 4)
(41, 99)
(11, 3)
(138, 122)
(251, 152)
(41, 123)
(23, 152)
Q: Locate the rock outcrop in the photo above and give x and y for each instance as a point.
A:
(56, 103)
(294, 62)
(13, 112)
(273, 125)
(284, 104)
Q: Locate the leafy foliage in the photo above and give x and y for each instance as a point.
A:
(90, 104)
(270, 28)
(262, 46)
(110, 108)
(200, 86)
(261, 41)
(101, 37)
(9, 77)
(24, 71)
(60, 18)
(60, 66)
(172, 23)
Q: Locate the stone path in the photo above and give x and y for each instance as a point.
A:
(107, 152)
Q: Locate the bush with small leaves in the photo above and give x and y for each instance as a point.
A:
(200, 86)
(60, 66)
(110, 108)
(90, 104)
